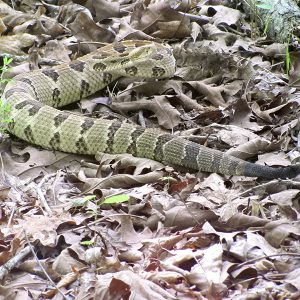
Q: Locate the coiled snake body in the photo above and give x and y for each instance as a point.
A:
(34, 96)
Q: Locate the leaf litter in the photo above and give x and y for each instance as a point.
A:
(119, 227)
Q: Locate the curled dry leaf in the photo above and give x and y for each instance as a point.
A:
(85, 29)
(239, 221)
(130, 256)
(169, 277)
(253, 147)
(161, 21)
(70, 258)
(148, 89)
(195, 31)
(5, 9)
(43, 27)
(126, 31)
(209, 270)
(15, 43)
(167, 116)
(56, 50)
(12, 247)
(295, 69)
(104, 9)
(93, 255)
(67, 13)
(212, 94)
(124, 161)
(293, 278)
(30, 161)
(64, 282)
(111, 168)
(277, 232)
(3, 28)
(217, 13)
(272, 114)
(182, 217)
(43, 228)
(264, 265)
(106, 287)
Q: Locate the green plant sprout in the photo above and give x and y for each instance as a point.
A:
(80, 202)
(265, 4)
(4, 107)
(5, 68)
(116, 199)
(288, 62)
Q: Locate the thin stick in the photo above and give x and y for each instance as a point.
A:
(42, 267)
(10, 264)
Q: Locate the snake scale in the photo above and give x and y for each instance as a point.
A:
(34, 97)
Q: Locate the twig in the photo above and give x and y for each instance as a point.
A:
(141, 118)
(263, 257)
(41, 195)
(55, 184)
(9, 265)
(41, 266)
(101, 220)
(201, 20)
(257, 189)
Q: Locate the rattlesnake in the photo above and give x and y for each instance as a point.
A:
(34, 96)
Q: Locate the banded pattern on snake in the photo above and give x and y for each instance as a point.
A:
(35, 96)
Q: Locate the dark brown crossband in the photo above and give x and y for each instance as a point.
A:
(51, 74)
(77, 65)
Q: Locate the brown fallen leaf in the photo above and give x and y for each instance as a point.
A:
(217, 13)
(85, 29)
(167, 116)
(160, 20)
(15, 43)
(126, 283)
(104, 9)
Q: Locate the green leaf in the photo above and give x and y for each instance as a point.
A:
(5, 80)
(168, 179)
(82, 201)
(7, 61)
(116, 199)
(87, 243)
(288, 62)
(264, 6)
(4, 114)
